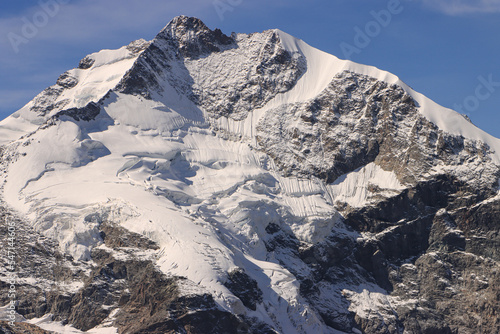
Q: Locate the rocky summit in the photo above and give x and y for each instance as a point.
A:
(245, 183)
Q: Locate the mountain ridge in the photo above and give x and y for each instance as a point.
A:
(263, 185)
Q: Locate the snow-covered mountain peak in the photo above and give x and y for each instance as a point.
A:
(193, 37)
(78, 92)
(182, 25)
(107, 57)
(235, 74)
(322, 67)
(262, 182)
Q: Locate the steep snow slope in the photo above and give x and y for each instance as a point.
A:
(322, 67)
(163, 163)
(97, 74)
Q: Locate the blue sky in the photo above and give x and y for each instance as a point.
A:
(447, 49)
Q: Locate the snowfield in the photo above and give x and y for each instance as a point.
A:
(158, 168)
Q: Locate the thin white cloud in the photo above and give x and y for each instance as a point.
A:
(463, 7)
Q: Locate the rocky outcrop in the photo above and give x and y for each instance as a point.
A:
(245, 288)
(87, 113)
(122, 289)
(262, 70)
(420, 257)
(86, 63)
(417, 246)
(21, 328)
(38, 258)
(192, 38)
(357, 120)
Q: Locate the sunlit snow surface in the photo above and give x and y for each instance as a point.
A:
(157, 168)
(48, 324)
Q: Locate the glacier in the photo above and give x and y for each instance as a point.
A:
(178, 158)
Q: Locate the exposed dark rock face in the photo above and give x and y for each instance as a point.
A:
(358, 120)
(67, 81)
(422, 258)
(261, 75)
(245, 288)
(148, 301)
(21, 328)
(87, 113)
(458, 289)
(45, 102)
(86, 63)
(444, 235)
(38, 258)
(419, 254)
(48, 101)
(264, 69)
(115, 236)
(193, 38)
